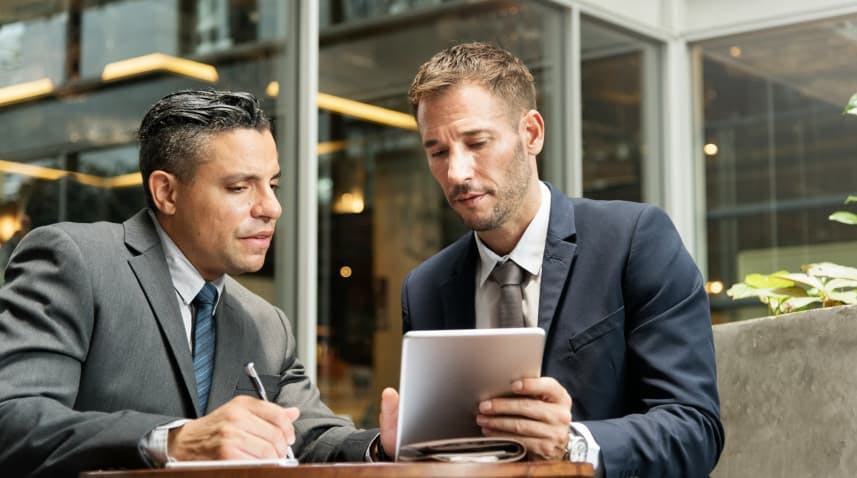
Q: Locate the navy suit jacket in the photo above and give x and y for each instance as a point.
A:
(628, 331)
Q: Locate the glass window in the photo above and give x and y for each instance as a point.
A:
(380, 211)
(778, 154)
(32, 47)
(618, 138)
(72, 155)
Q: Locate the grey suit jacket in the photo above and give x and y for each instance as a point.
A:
(93, 354)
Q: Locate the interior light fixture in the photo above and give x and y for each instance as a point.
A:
(356, 109)
(330, 147)
(159, 62)
(273, 89)
(53, 174)
(26, 91)
(365, 111)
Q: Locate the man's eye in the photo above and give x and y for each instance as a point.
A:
(478, 144)
(275, 187)
(236, 189)
(439, 154)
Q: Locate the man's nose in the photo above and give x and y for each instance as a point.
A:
(267, 205)
(460, 166)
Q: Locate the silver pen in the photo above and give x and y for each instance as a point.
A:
(250, 370)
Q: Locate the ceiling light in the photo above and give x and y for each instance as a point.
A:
(159, 62)
(365, 111)
(25, 91)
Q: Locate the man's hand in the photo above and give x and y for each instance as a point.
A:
(539, 415)
(389, 419)
(243, 428)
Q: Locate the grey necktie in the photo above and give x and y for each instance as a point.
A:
(510, 308)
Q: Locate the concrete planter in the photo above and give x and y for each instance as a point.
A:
(788, 392)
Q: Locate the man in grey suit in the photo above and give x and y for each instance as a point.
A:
(123, 345)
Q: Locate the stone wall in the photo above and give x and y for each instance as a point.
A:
(788, 392)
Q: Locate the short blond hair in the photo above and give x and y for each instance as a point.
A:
(486, 64)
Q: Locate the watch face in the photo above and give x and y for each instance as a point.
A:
(577, 449)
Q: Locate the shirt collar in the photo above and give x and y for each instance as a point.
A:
(186, 279)
(530, 249)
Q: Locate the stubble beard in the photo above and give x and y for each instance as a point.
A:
(510, 197)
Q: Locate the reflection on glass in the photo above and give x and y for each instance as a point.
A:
(33, 48)
(380, 211)
(784, 155)
(73, 156)
(614, 144)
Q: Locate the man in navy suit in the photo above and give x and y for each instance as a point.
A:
(629, 380)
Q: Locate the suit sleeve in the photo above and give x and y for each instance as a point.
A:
(674, 426)
(321, 435)
(46, 324)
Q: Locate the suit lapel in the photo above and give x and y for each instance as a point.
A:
(152, 273)
(231, 350)
(459, 291)
(559, 256)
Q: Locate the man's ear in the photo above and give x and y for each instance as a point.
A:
(163, 186)
(533, 130)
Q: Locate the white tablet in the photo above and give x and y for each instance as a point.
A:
(446, 373)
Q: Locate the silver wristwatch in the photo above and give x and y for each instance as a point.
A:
(577, 448)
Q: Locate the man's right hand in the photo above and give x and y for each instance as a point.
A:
(243, 428)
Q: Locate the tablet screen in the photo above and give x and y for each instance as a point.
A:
(446, 373)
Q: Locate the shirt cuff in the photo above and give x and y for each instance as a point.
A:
(593, 451)
(375, 452)
(153, 445)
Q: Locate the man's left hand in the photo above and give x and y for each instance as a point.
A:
(539, 415)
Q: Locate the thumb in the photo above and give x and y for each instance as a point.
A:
(389, 419)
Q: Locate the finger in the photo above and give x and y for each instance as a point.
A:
(263, 420)
(519, 427)
(547, 388)
(277, 415)
(389, 419)
(533, 409)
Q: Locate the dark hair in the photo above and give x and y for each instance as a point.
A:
(486, 64)
(174, 131)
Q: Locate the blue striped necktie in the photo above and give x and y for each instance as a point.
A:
(203, 341)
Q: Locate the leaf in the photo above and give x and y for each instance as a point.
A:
(844, 217)
(850, 199)
(798, 303)
(831, 270)
(835, 284)
(803, 279)
(845, 297)
(851, 107)
(772, 281)
(786, 292)
(742, 291)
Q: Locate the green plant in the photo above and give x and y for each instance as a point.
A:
(818, 285)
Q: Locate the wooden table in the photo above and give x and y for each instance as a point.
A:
(367, 470)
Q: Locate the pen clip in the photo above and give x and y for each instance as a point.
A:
(250, 369)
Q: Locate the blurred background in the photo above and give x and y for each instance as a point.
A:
(727, 114)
